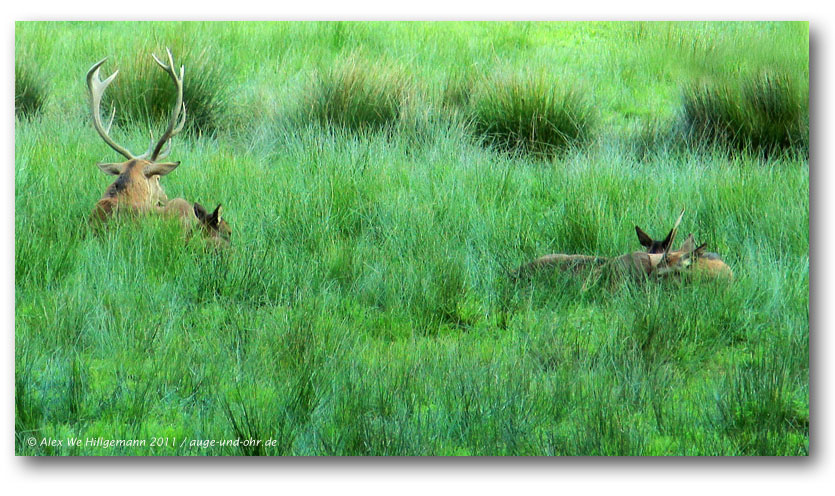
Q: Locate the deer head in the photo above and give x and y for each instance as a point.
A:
(674, 261)
(193, 215)
(692, 258)
(662, 259)
(662, 246)
(214, 227)
(687, 257)
(137, 185)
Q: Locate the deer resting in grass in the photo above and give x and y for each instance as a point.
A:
(193, 216)
(640, 265)
(137, 188)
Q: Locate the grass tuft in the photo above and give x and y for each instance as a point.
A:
(144, 93)
(30, 90)
(767, 113)
(531, 114)
(358, 96)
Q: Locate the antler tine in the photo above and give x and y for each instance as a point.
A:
(673, 235)
(110, 122)
(95, 90)
(164, 153)
(176, 123)
(150, 145)
(678, 221)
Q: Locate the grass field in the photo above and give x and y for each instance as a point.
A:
(378, 203)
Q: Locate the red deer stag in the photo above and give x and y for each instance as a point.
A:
(137, 188)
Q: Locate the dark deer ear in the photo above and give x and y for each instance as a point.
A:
(113, 169)
(643, 237)
(698, 251)
(666, 243)
(214, 217)
(200, 212)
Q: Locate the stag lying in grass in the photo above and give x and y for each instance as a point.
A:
(640, 265)
(137, 189)
(193, 216)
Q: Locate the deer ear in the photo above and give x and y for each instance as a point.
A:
(643, 237)
(160, 169)
(698, 251)
(113, 169)
(666, 243)
(214, 217)
(199, 211)
(689, 244)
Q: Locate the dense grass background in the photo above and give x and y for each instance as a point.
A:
(365, 306)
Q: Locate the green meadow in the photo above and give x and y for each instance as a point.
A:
(382, 180)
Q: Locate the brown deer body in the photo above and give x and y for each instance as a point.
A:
(636, 264)
(706, 264)
(136, 190)
(193, 216)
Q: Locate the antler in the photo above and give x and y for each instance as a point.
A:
(95, 90)
(176, 123)
(672, 235)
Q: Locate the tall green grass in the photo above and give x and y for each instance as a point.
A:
(531, 114)
(358, 95)
(365, 307)
(31, 89)
(144, 94)
(767, 113)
